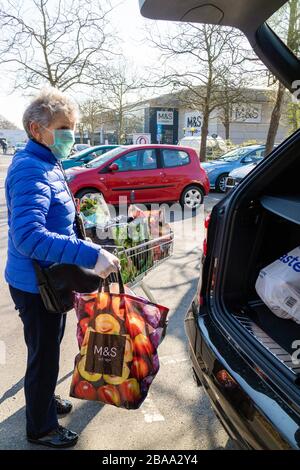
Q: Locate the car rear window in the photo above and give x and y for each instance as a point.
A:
(173, 158)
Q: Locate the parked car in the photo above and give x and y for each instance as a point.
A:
(219, 169)
(246, 358)
(19, 146)
(236, 176)
(86, 155)
(79, 147)
(150, 173)
(213, 143)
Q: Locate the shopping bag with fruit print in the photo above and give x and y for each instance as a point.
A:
(118, 335)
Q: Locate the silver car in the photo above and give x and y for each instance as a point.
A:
(236, 176)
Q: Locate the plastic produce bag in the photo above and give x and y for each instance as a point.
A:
(118, 336)
(278, 285)
(94, 210)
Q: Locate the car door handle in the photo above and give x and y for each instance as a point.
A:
(102, 178)
(162, 173)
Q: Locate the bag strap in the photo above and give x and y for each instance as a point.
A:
(79, 224)
(39, 272)
(104, 283)
(66, 181)
(78, 220)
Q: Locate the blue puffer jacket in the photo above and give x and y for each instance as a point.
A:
(40, 218)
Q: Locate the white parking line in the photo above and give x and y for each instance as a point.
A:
(150, 411)
(174, 359)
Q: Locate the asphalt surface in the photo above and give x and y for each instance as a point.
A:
(176, 415)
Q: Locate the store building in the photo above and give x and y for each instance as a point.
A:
(167, 120)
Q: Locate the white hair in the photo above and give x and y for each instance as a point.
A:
(46, 106)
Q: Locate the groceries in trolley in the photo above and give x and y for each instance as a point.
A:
(141, 240)
(278, 285)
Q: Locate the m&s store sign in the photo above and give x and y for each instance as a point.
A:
(165, 118)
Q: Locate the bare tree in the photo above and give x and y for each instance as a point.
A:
(233, 92)
(211, 53)
(287, 24)
(275, 118)
(91, 111)
(62, 43)
(134, 120)
(122, 87)
(6, 124)
(114, 104)
(293, 116)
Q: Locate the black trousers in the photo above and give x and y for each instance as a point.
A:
(43, 332)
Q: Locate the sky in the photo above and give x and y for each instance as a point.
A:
(129, 24)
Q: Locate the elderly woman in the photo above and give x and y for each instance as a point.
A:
(41, 227)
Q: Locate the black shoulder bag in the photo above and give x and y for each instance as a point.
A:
(58, 282)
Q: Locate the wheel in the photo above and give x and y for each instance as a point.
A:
(221, 183)
(94, 197)
(86, 193)
(192, 197)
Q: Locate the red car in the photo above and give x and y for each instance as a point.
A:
(156, 173)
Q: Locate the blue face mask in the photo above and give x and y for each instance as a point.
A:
(63, 141)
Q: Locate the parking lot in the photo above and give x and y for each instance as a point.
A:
(176, 415)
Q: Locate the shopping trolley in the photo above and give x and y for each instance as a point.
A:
(140, 258)
(136, 262)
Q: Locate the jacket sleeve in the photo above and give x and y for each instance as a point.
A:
(29, 205)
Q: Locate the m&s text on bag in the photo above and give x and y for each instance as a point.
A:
(105, 353)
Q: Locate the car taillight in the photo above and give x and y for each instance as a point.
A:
(206, 221)
(204, 246)
(206, 224)
(225, 379)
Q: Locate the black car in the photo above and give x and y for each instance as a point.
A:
(246, 358)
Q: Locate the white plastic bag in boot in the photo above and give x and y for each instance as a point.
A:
(278, 285)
